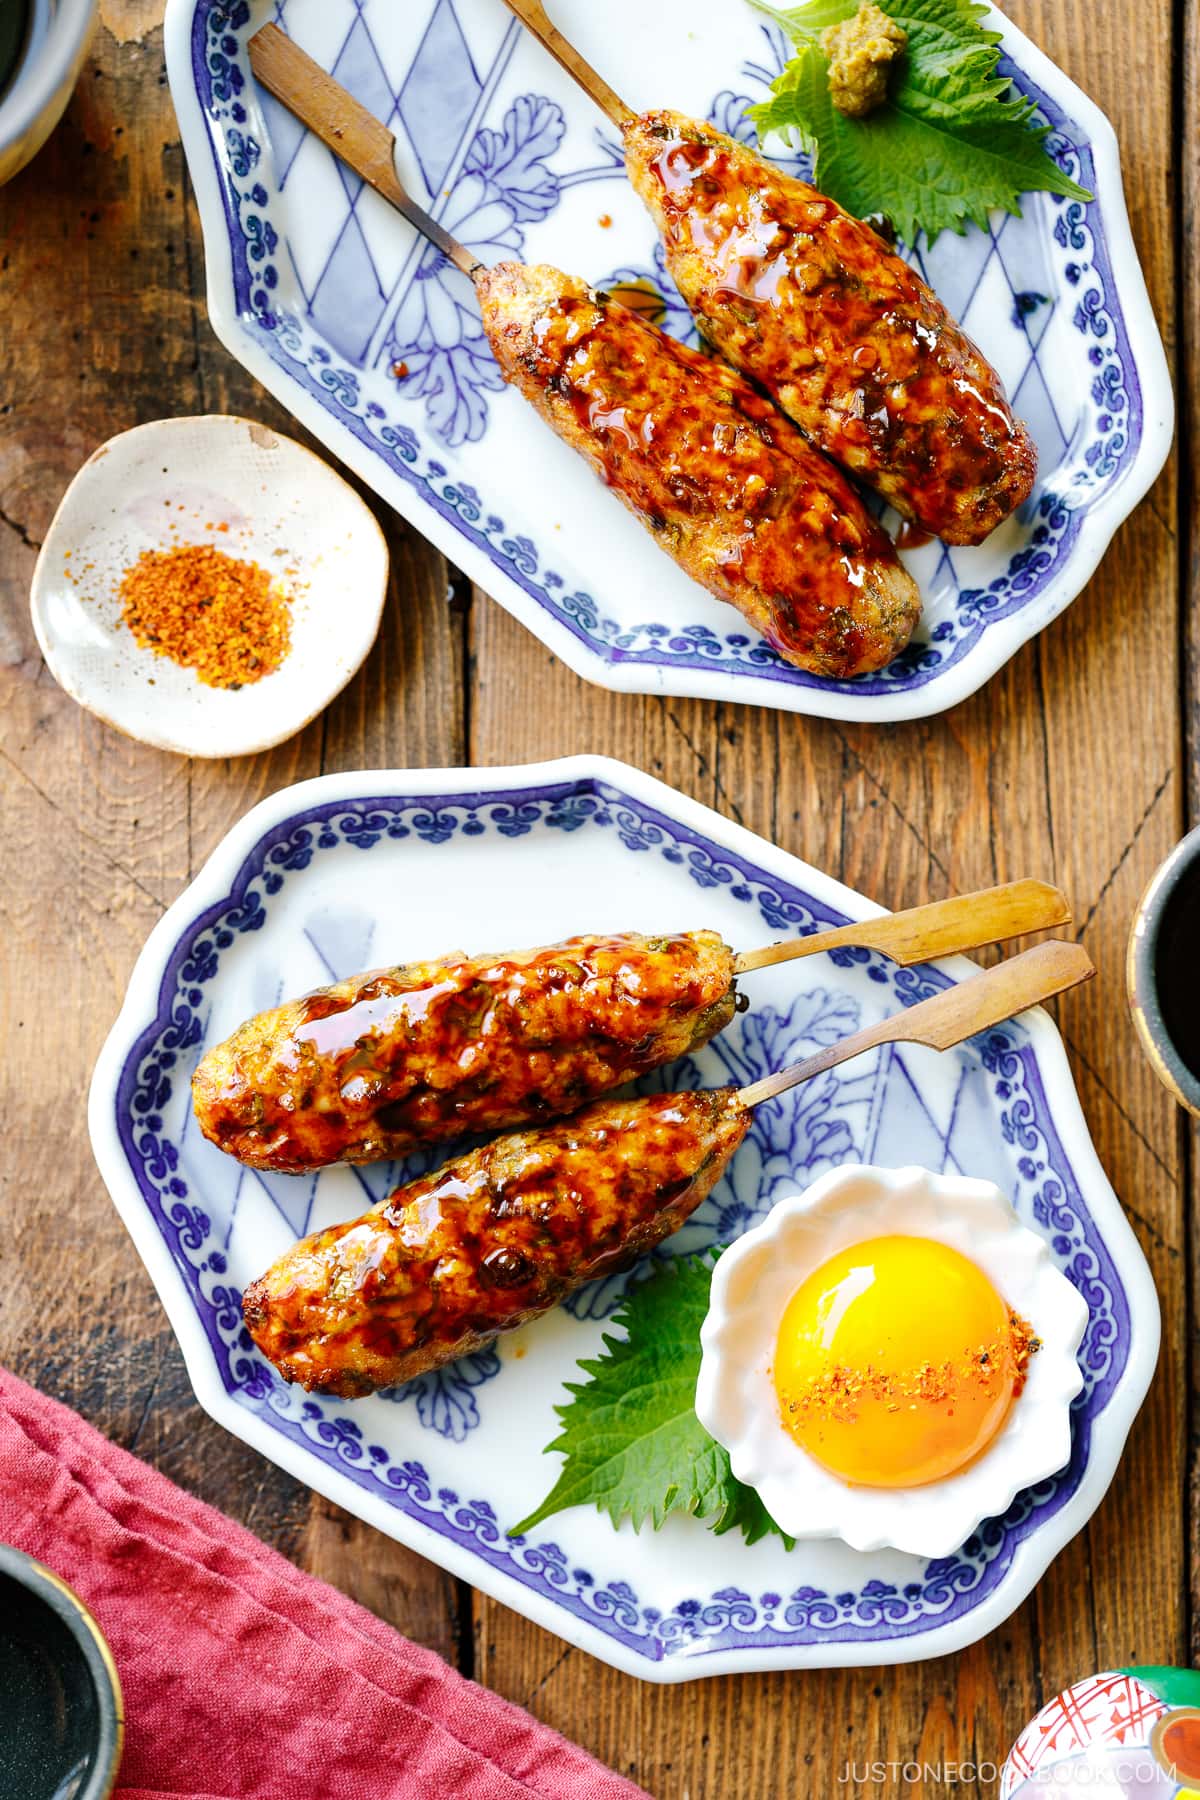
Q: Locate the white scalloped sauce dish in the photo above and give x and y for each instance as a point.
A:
(889, 1358)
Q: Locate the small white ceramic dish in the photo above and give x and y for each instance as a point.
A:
(258, 497)
(736, 1400)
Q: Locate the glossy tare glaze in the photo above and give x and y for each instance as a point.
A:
(375, 1065)
(489, 1241)
(728, 487)
(837, 328)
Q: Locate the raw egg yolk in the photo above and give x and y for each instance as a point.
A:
(897, 1362)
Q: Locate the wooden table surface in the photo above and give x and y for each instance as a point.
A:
(1073, 764)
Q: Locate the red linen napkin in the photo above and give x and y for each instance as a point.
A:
(245, 1679)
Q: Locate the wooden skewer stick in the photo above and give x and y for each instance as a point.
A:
(532, 15)
(946, 1019)
(966, 922)
(351, 132)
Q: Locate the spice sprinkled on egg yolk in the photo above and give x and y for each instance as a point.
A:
(897, 1361)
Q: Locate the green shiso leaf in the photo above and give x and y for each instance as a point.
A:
(633, 1445)
(950, 144)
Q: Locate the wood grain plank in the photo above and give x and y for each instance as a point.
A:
(1188, 395)
(115, 830)
(1110, 685)
(1067, 766)
(101, 822)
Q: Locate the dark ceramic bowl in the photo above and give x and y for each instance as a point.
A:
(61, 1716)
(39, 81)
(1162, 972)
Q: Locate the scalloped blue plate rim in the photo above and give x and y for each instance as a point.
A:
(148, 991)
(499, 571)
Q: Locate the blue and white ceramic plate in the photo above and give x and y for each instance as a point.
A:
(352, 871)
(322, 291)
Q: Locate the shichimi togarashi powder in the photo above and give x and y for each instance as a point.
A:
(837, 1391)
(230, 621)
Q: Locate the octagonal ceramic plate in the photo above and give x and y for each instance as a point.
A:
(322, 291)
(352, 871)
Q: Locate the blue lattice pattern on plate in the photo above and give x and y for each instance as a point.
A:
(1039, 291)
(993, 1114)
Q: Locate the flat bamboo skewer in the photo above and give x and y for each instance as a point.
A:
(966, 922)
(350, 131)
(532, 15)
(947, 1019)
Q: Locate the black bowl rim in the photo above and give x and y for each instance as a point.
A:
(1144, 1002)
(66, 1605)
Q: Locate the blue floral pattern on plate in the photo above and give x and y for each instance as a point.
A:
(377, 343)
(436, 335)
(312, 898)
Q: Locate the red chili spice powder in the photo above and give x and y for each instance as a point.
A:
(837, 1392)
(230, 621)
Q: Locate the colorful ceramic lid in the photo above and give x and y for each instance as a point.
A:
(1126, 1734)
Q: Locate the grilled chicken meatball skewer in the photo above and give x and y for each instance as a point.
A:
(492, 1239)
(724, 483)
(731, 490)
(503, 1233)
(375, 1065)
(839, 330)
